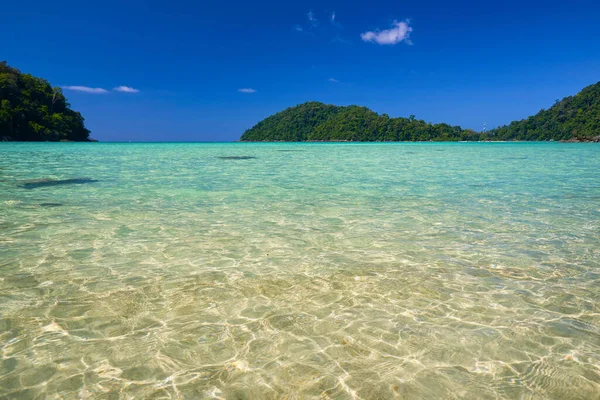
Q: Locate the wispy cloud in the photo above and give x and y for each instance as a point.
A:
(246, 90)
(305, 28)
(399, 32)
(125, 89)
(85, 89)
(312, 19)
(333, 80)
(334, 21)
(313, 27)
(339, 39)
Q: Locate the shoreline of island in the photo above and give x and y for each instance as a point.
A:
(574, 140)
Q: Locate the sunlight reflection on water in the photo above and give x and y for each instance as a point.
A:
(313, 270)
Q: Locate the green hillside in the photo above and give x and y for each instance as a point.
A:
(292, 125)
(575, 117)
(315, 121)
(32, 110)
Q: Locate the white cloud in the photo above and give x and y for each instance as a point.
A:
(398, 33)
(247, 90)
(85, 89)
(125, 89)
(333, 80)
(298, 28)
(333, 17)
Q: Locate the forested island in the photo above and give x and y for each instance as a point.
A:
(32, 110)
(575, 118)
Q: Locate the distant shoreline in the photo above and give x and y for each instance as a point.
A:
(571, 141)
(9, 140)
(591, 140)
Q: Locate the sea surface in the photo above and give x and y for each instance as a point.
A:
(298, 271)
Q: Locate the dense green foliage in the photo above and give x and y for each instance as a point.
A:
(292, 125)
(576, 116)
(573, 117)
(32, 110)
(315, 121)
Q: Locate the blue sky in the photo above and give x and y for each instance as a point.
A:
(182, 65)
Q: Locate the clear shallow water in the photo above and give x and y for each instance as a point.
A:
(336, 271)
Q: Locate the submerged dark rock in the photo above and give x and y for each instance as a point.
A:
(51, 204)
(56, 182)
(236, 157)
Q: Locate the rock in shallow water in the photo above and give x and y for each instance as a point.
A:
(56, 182)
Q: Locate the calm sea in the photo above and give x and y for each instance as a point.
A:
(259, 271)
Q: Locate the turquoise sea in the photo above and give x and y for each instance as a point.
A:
(327, 271)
